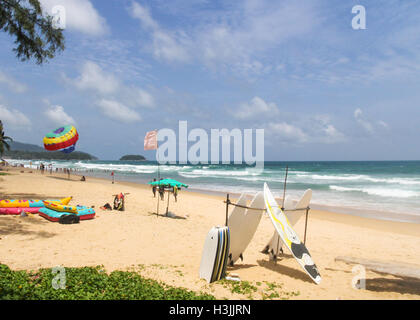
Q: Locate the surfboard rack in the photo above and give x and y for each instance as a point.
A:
(229, 203)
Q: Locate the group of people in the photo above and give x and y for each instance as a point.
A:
(161, 191)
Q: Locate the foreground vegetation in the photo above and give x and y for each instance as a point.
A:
(88, 284)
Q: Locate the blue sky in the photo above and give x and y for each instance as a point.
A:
(319, 88)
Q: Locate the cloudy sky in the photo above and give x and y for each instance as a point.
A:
(319, 88)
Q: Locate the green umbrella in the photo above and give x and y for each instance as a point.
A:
(167, 183)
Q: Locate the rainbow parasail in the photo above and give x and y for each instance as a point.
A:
(63, 139)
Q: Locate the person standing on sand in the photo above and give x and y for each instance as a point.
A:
(154, 189)
(176, 193)
(113, 179)
(162, 192)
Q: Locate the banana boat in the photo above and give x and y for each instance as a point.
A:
(60, 207)
(30, 203)
(16, 207)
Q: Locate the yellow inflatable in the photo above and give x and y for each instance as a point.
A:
(31, 203)
(60, 207)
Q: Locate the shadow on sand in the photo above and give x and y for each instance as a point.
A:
(236, 267)
(21, 226)
(28, 196)
(403, 285)
(170, 215)
(74, 178)
(291, 272)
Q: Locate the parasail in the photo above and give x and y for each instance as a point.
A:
(62, 139)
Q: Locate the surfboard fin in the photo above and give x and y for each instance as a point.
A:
(230, 260)
(242, 257)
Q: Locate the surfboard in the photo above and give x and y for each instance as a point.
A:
(289, 237)
(215, 253)
(274, 246)
(243, 224)
(235, 220)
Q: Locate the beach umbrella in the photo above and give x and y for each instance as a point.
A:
(168, 183)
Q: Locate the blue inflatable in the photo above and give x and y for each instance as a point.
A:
(83, 212)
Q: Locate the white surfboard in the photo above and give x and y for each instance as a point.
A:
(289, 236)
(243, 224)
(274, 246)
(215, 252)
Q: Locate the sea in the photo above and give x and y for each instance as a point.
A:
(388, 190)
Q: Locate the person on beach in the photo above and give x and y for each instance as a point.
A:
(154, 189)
(162, 192)
(175, 193)
(83, 178)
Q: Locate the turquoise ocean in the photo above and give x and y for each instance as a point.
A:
(387, 190)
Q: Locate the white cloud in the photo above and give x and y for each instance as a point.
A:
(305, 129)
(358, 115)
(323, 131)
(166, 46)
(106, 85)
(92, 77)
(257, 107)
(80, 15)
(12, 83)
(232, 39)
(117, 111)
(140, 97)
(58, 116)
(332, 135)
(287, 132)
(383, 124)
(13, 117)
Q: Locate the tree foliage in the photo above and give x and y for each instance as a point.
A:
(4, 145)
(34, 32)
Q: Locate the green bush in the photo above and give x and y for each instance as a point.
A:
(88, 284)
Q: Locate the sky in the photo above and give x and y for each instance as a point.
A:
(319, 88)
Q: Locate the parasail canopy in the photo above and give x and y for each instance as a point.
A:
(63, 139)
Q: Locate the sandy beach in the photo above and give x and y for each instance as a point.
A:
(169, 248)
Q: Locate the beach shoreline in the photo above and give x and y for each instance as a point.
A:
(356, 209)
(169, 249)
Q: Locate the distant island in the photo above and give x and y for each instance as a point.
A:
(26, 151)
(132, 157)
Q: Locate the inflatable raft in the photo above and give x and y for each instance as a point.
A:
(30, 203)
(15, 207)
(17, 211)
(83, 212)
